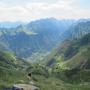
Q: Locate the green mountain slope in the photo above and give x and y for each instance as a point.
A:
(69, 48)
(11, 69)
(73, 59)
(66, 68)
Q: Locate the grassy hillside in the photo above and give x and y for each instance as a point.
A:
(71, 60)
(68, 49)
(53, 83)
(47, 80)
(66, 68)
(11, 70)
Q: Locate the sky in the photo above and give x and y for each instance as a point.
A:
(28, 10)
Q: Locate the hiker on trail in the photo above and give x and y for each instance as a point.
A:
(30, 76)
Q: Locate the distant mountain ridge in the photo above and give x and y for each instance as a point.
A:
(9, 24)
(78, 30)
(41, 35)
(37, 36)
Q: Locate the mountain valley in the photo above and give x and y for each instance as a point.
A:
(55, 52)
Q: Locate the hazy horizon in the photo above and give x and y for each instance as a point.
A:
(25, 22)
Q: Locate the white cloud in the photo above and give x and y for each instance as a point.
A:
(36, 10)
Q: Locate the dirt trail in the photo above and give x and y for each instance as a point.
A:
(25, 87)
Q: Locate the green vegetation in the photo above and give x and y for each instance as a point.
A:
(10, 77)
(53, 83)
(11, 70)
(66, 68)
(49, 81)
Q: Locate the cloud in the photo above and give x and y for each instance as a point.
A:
(36, 10)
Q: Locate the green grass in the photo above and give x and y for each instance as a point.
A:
(53, 83)
(10, 77)
(11, 70)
